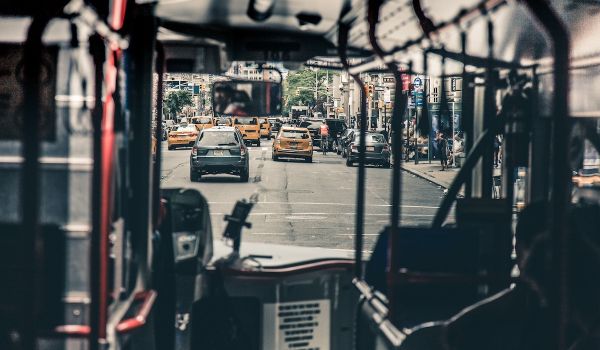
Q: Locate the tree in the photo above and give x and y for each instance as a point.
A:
(299, 89)
(176, 100)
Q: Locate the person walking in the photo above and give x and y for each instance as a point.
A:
(497, 145)
(442, 145)
(324, 137)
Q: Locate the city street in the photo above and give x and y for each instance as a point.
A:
(307, 204)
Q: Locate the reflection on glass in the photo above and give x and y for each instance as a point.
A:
(255, 98)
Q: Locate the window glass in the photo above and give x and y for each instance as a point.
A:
(245, 121)
(217, 138)
(294, 134)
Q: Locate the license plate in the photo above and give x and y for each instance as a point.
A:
(370, 149)
(293, 146)
(218, 153)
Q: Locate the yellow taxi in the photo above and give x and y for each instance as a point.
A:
(265, 127)
(183, 135)
(293, 142)
(248, 127)
(202, 122)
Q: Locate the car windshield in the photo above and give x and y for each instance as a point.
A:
(245, 121)
(310, 124)
(294, 134)
(204, 120)
(263, 120)
(217, 138)
(186, 128)
(370, 138)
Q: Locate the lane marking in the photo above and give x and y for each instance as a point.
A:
(269, 233)
(329, 214)
(307, 217)
(352, 234)
(338, 204)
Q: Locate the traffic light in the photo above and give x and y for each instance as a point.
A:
(370, 89)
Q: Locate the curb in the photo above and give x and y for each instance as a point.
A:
(427, 177)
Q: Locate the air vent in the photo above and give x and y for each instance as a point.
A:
(296, 325)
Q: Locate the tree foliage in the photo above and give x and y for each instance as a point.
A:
(299, 89)
(176, 100)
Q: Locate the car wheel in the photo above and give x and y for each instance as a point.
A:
(258, 143)
(170, 147)
(274, 157)
(348, 162)
(245, 176)
(194, 175)
(308, 159)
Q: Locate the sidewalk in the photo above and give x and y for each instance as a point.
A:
(431, 172)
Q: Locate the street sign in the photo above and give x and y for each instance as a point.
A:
(417, 82)
(387, 96)
(405, 82)
(418, 97)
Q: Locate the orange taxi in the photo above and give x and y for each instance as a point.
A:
(248, 127)
(293, 142)
(183, 135)
(265, 127)
(202, 122)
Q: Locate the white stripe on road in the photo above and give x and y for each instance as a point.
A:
(320, 217)
(352, 234)
(269, 233)
(339, 204)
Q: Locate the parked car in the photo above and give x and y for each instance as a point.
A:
(184, 135)
(377, 150)
(293, 142)
(345, 139)
(219, 150)
(336, 128)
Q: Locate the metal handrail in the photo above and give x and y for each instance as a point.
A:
(561, 173)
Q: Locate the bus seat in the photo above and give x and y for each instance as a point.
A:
(441, 272)
(15, 269)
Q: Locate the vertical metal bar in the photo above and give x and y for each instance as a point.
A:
(141, 54)
(30, 180)
(489, 114)
(97, 51)
(360, 186)
(466, 112)
(561, 177)
(425, 109)
(358, 237)
(160, 68)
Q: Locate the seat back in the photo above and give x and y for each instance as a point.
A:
(440, 272)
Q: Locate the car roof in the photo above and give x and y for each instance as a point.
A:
(293, 128)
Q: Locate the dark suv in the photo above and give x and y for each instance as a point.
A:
(336, 129)
(219, 150)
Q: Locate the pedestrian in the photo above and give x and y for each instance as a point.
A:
(442, 145)
(497, 144)
(324, 137)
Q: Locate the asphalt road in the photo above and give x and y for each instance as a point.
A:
(307, 204)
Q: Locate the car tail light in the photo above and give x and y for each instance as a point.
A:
(386, 147)
(194, 151)
(243, 150)
(354, 147)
